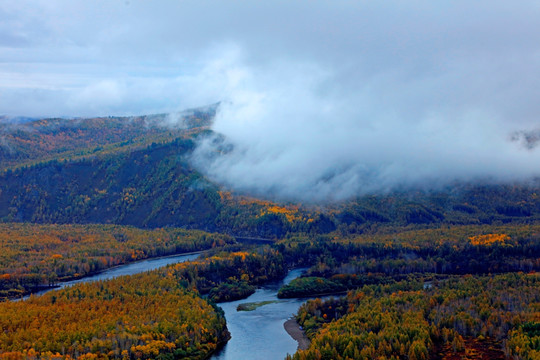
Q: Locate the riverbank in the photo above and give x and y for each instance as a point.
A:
(128, 268)
(294, 330)
(259, 334)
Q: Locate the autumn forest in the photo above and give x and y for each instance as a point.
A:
(452, 273)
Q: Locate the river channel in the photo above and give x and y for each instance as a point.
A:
(128, 269)
(257, 334)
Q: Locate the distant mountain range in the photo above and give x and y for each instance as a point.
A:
(137, 171)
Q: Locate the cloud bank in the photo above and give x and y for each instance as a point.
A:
(320, 100)
(292, 132)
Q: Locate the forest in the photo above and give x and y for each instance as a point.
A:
(421, 294)
(140, 174)
(396, 307)
(444, 274)
(409, 319)
(158, 314)
(36, 256)
(145, 316)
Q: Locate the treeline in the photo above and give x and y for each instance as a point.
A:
(34, 256)
(494, 315)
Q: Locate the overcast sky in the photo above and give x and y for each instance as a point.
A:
(321, 99)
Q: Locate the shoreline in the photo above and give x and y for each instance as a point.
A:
(293, 329)
(66, 281)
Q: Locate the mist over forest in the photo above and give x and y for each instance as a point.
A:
(374, 163)
(360, 99)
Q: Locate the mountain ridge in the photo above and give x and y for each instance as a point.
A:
(143, 176)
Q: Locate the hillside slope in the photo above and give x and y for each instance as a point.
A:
(138, 172)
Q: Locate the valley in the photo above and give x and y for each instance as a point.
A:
(439, 274)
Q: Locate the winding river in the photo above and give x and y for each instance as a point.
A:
(257, 334)
(128, 269)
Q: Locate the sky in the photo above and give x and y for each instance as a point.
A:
(320, 100)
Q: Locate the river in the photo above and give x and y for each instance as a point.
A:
(259, 334)
(128, 269)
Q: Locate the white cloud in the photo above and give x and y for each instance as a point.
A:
(320, 99)
(290, 132)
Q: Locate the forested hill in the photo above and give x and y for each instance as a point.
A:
(136, 171)
(32, 141)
